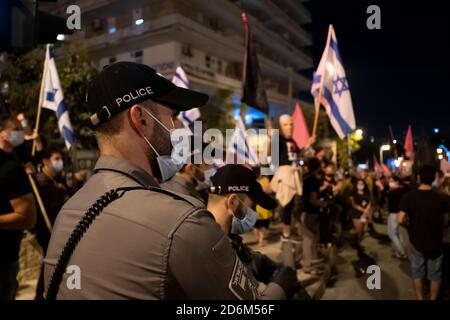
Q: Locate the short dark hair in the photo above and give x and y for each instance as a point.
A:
(4, 119)
(314, 164)
(112, 126)
(366, 187)
(48, 152)
(318, 149)
(427, 174)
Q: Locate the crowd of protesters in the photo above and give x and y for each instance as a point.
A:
(19, 209)
(317, 202)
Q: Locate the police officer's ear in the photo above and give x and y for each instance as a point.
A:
(138, 119)
(232, 202)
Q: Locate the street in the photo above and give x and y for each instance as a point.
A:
(395, 281)
(345, 284)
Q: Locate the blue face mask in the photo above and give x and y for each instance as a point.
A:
(239, 226)
(167, 165)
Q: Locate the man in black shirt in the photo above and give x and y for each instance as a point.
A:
(427, 212)
(17, 207)
(310, 218)
(289, 155)
(397, 189)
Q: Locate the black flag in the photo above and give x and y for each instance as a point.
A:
(253, 92)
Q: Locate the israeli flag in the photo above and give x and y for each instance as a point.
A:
(51, 97)
(239, 148)
(331, 84)
(187, 117)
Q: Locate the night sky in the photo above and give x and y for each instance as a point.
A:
(398, 75)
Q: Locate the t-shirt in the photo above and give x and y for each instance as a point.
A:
(54, 198)
(425, 210)
(310, 184)
(361, 200)
(14, 184)
(394, 198)
(288, 151)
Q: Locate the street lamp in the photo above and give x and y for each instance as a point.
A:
(384, 147)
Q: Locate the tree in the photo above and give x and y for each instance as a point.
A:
(218, 112)
(75, 71)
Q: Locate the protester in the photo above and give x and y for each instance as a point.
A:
(264, 215)
(53, 190)
(17, 206)
(360, 210)
(225, 203)
(427, 215)
(395, 194)
(313, 206)
(329, 218)
(285, 175)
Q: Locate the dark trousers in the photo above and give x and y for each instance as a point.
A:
(8, 280)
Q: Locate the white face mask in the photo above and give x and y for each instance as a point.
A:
(16, 137)
(57, 166)
(24, 123)
(167, 165)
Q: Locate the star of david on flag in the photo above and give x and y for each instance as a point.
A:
(330, 82)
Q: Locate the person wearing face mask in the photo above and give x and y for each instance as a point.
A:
(234, 189)
(145, 242)
(191, 175)
(54, 193)
(53, 190)
(17, 205)
(330, 216)
(360, 210)
(395, 194)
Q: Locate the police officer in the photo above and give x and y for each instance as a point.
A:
(191, 176)
(142, 242)
(234, 191)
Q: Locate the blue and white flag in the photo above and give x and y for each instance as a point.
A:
(187, 117)
(51, 97)
(239, 149)
(331, 82)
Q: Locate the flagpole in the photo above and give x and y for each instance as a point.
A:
(317, 101)
(41, 94)
(40, 203)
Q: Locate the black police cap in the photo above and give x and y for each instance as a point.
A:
(123, 84)
(233, 178)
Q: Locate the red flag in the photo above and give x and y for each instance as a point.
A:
(376, 166)
(409, 143)
(386, 171)
(300, 134)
